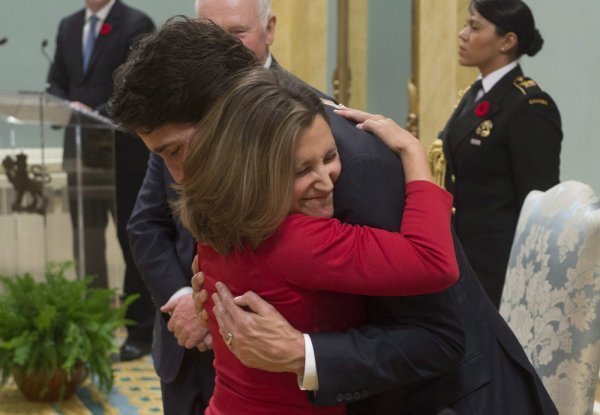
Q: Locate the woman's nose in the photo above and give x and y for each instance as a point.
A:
(325, 181)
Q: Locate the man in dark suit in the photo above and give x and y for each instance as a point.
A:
(162, 249)
(185, 369)
(90, 45)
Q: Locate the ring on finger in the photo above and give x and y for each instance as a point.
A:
(228, 338)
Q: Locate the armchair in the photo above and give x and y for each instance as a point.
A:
(551, 296)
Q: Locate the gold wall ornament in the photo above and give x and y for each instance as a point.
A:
(485, 128)
(437, 162)
(412, 121)
(342, 76)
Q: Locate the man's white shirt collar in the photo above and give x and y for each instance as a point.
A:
(100, 14)
(268, 62)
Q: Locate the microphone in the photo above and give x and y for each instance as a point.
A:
(44, 45)
(3, 40)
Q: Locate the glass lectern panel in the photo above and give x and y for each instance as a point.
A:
(56, 188)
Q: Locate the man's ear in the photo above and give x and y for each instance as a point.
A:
(270, 29)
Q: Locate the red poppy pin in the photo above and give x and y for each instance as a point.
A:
(105, 29)
(482, 109)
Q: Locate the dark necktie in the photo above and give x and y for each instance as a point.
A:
(89, 42)
(469, 99)
(475, 88)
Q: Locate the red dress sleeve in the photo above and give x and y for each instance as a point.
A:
(325, 254)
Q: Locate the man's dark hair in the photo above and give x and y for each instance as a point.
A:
(176, 74)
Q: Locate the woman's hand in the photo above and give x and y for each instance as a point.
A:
(403, 143)
(394, 136)
(200, 296)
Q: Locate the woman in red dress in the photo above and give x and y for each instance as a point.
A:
(257, 194)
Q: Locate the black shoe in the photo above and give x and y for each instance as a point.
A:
(131, 351)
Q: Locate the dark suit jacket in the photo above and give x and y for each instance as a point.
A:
(163, 251)
(67, 80)
(426, 353)
(94, 87)
(490, 172)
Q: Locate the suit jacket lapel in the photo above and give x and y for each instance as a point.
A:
(459, 108)
(446, 139)
(468, 121)
(73, 36)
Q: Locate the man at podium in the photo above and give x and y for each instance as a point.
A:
(90, 44)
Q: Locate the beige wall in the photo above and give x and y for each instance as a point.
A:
(301, 39)
(440, 77)
(358, 33)
(301, 47)
(301, 43)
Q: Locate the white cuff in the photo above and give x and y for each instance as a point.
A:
(309, 381)
(181, 292)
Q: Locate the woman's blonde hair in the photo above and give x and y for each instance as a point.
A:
(239, 171)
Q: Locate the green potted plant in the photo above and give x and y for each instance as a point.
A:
(56, 332)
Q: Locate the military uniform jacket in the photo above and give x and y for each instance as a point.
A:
(496, 152)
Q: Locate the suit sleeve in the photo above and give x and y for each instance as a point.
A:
(371, 190)
(425, 340)
(419, 259)
(411, 339)
(58, 78)
(153, 237)
(534, 145)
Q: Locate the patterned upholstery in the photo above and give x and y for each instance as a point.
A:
(551, 297)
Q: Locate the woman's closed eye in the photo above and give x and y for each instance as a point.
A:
(302, 171)
(330, 157)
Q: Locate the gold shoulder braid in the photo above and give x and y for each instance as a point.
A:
(526, 85)
(437, 162)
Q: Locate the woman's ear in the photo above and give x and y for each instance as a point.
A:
(509, 43)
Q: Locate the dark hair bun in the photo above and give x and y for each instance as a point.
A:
(536, 43)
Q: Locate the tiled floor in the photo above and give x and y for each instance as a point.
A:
(597, 403)
(136, 392)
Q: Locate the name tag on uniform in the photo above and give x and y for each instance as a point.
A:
(475, 141)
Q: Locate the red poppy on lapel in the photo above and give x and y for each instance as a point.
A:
(482, 109)
(105, 29)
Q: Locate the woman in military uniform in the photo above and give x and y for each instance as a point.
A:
(503, 139)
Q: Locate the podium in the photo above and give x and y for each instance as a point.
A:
(54, 157)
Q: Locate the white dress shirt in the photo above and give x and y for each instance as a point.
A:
(491, 79)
